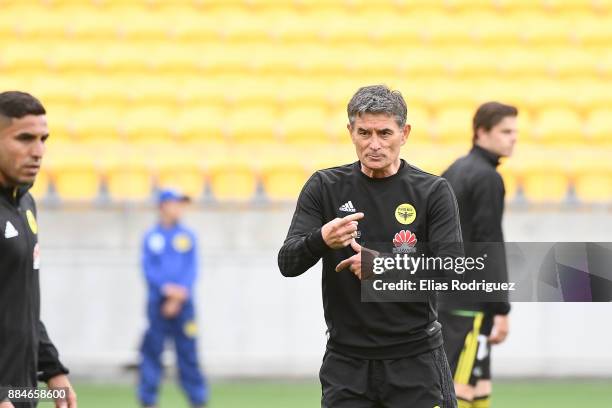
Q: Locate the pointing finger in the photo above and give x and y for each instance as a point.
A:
(356, 247)
(353, 217)
(342, 265)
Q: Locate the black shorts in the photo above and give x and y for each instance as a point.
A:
(421, 381)
(466, 344)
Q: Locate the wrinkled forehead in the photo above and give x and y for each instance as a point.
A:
(375, 121)
(31, 124)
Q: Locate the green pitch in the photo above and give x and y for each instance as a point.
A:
(267, 394)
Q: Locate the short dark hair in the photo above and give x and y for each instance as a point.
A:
(377, 99)
(16, 104)
(490, 114)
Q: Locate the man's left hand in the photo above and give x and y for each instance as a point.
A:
(500, 329)
(61, 381)
(354, 262)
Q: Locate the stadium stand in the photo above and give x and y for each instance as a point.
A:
(185, 74)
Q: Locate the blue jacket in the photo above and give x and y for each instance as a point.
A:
(169, 255)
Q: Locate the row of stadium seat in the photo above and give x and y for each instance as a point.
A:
(167, 58)
(303, 125)
(282, 27)
(236, 174)
(354, 6)
(434, 93)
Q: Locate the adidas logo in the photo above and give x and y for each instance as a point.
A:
(10, 231)
(347, 207)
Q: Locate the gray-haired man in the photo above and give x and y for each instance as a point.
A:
(379, 354)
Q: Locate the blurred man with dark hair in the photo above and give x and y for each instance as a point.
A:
(169, 260)
(378, 353)
(27, 355)
(470, 327)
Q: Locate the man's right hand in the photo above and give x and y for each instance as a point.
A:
(6, 404)
(339, 232)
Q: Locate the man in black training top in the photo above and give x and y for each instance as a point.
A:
(379, 354)
(470, 327)
(27, 355)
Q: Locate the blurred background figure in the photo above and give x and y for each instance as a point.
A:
(469, 326)
(170, 267)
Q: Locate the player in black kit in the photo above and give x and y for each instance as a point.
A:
(471, 327)
(379, 354)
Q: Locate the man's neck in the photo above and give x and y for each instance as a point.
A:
(388, 171)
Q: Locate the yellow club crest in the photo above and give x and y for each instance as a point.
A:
(405, 213)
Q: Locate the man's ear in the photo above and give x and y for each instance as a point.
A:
(406, 133)
(480, 134)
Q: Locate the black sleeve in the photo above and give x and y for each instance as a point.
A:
(49, 364)
(488, 207)
(444, 226)
(304, 245)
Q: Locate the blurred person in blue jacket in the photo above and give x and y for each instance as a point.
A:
(169, 259)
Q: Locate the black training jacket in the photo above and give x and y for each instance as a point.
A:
(26, 352)
(410, 200)
(480, 192)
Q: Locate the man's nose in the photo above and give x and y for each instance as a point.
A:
(38, 150)
(375, 142)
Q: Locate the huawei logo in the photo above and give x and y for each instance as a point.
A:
(404, 242)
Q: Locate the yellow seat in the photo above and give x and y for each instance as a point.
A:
(252, 94)
(454, 125)
(593, 179)
(96, 124)
(204, 91)
(40, 24)
(76, 178)
(183, 172)
(289, 27)
(129, 179)
(523, 62)
(283, 181)
(184, 25)
(148, 125)
(54, 90)
(591, 31)
(103, 91)
(519, 5)
(60, 121)
(240, 26)
(253, 125)
(87, 24)
(422, 62)
(540, 30)
(298, 93)
(232, 180)
(419, 120)
(558, 126)
(598, 128)
(161, 92)
(126, 58)
(74, 59)
(41, 186)
(137, 24)
(306, 125)
(545, 182)
(489, 29)
(204, 123)
(545, 95)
